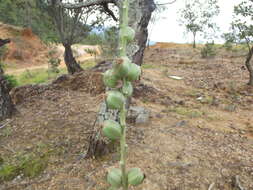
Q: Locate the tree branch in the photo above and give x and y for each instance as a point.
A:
(87, 3)
(167, 3)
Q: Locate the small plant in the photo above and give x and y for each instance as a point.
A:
(11, 80)
(53, 61)
(92, 52)
(209, 50)
(126, 72)
(54, 64)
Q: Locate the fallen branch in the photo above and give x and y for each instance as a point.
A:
(211, 186)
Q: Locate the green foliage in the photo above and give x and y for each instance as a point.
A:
(192, 113)
(29, 13)
(29, 165)
(32, 165)
(54, 62)
(109, 44)
(11, 80)
(197, 17)
(241, 27)
(37, 76)
(93, 39)
(8, 172)
(209, 50)
(92, 52)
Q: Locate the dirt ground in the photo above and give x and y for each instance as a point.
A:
(200, 130)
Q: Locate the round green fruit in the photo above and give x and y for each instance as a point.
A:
(110, 80)
(122, 67)
(134, 72)
(114, 177)
(135, 176)
(112, 129)
(127, 89)
(115, 99)
(129, 34)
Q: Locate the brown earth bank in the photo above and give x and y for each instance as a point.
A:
(27, 51)
(200, 130)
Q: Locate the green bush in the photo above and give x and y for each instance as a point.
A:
(208, 51)
(228, 46)
(11, 80)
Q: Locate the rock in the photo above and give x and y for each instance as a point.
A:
(138, 114)
(175, 77)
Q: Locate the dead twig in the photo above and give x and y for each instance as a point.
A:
(237, 183)
(5, 124)
(211, 186)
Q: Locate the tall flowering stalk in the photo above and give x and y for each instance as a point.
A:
(120, 79)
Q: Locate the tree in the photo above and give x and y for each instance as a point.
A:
(6, 105)
(73, 24)
(140, 12)
(197, 17)
(242, 32)
(28, 13)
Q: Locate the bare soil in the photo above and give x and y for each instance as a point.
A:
(200, 131)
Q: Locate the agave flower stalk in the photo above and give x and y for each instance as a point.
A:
(126, 72)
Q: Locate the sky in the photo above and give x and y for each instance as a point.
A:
(167, 29)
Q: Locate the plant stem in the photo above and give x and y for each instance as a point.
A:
(122, 52)
(123, 26)
(123, 148)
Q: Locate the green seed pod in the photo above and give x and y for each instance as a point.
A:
(129, 34)
(127, 89)
(112, 129)
(115, 99)
(114, 177)
(122, 67)
(134, 72)
(110, 80)
(135, 176)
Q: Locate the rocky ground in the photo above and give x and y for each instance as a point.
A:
(199, 135)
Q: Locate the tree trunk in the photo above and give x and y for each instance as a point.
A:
(70, 61)
(194, 40)
(249, 66)
(6, 106)
(140, 12)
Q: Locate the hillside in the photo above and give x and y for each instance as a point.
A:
(200, 130)
(25, 49)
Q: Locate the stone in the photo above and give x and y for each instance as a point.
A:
(138, 114)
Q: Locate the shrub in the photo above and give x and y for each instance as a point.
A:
(11, 80)
(208, 51)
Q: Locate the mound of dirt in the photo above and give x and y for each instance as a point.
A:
(25, 48)
(86, 81)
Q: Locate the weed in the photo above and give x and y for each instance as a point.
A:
(208, 51)
(148, 66)
(8, 172)
(38, 76)
(27, 165)
(192, 113)
(6, 132)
